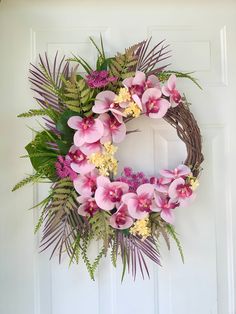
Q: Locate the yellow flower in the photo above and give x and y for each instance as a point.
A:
(123, 96)
(105, 161)
(132, 110)
(141, 228)
(194, 183)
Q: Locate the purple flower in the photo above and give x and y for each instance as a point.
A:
(63, 168)
(98, 79)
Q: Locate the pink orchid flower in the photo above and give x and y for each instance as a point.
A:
(139, 204)
(108, 194)
(171, 91)
(114, 131)
(88, 130)
(90, 148)
(121, 219)
(181, 192)
(139, 83)
(178, 172)
(104, 102)
(165, 205)
(79, 161)
(161, 184)
(154, 105)
(88, 206)
(86, 184)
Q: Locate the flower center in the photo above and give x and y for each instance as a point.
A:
(91, 207)
(120, 219)
(87, 123)
(144, 204)
(115, 194)
(184, 191)
(176, 96)
(114, 124)
(77, 156)
(136, 90)
(152, 105)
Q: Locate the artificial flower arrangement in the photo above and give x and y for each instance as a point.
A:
(85, 119)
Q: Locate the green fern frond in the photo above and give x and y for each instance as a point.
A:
(78, 95)
(100, 227)
(40, 221)
(97, 260)
(30, 179)
(123, 65)
(173, 234)
(33, 113)
(84, 255)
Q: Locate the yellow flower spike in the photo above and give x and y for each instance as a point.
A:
(123, 96)
(132, 110)
(105, 161)
(141, 228)
(194, 184)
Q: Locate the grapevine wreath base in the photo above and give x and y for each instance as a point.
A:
(85, 119)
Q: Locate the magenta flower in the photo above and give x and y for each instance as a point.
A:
(98, 79)
(108, 194)
(139, 205)
(161, 184)
(86, 184)
(88, 206)
(63, 168)
(181, 192)
(121, 219)
(114, 131)
(154, 105)
(88, 130)
(171, 91)
(104, 102)
(178, 172)
(134, 180)
(79, 161)
(165, 205)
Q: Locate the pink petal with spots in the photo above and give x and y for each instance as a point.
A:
(173, 186)
(154, 81)
(79, 138)
(118, 135)
(133, 209)
(82, 210)
(166, 91)
(86, 184)
(103, 181)
(137, 100)
(154, 93)
(128, 82)
(94, 133)
(164, 106)
(139, 78)
(168, 215)
(128, 196)
(102, 200)
(128, 223)
(89, 148)
(103, 101)
(83, 167)
(147, 189)
(74, 122)
(171, 83)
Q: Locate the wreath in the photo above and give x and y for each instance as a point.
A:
(85, 118)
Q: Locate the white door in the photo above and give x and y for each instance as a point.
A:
(202, 37)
